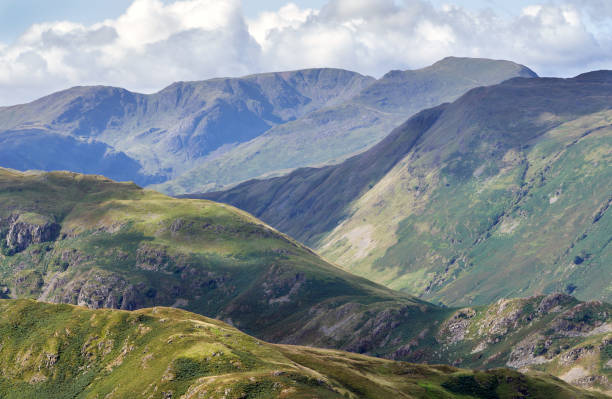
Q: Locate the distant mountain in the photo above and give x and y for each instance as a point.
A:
(169, 131)
(503, 193)
(37, 149)
(340, 130)
(60, 351)
(195, 129)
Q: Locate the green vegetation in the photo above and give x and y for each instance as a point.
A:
(124, 247)
(464, 204)
(62, 351)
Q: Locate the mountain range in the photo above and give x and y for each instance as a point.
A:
(218, 132)
(334, 132)
(502, 193)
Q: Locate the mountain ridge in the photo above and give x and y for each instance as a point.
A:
(230, 127)
(169, 129)
(333, 133)
(471, 179)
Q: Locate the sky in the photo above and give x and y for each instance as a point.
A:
(144, 45)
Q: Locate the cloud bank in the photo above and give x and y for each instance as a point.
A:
(155, 43)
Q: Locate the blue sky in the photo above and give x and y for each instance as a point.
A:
(144, 45)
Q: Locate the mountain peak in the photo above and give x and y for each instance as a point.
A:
(458, 63)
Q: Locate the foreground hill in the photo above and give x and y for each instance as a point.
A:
(503, 193)
(61, 351)
(337, 131)
(166, 132)
(89, 241)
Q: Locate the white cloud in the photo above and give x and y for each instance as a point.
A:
(154, 43)
(289, 16)
(375, 36)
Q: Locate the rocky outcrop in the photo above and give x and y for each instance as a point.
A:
(529, 351)
(152, 258)
(100, 289)
(25, 230)
(455, 329)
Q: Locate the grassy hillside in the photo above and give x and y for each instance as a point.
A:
(503, 193)
(62, 351)
(167, 132)
(335, 132)
(86, 240)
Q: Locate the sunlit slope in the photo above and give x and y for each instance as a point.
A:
(503, 193)
(62, 351)
(533, 220)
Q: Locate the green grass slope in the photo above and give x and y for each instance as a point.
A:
(503, 193)
(335, 132)
(86, 240)
(62, 351)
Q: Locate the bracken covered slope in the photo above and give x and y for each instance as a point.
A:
(503, 193)
(62, 351)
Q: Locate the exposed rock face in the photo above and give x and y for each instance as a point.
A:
(281, 286)
(354, 328)
(527, 352)
(553, 302)
(22, 234)
(152, 258)
(100, 290)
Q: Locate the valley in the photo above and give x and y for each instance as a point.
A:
(101, 244)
